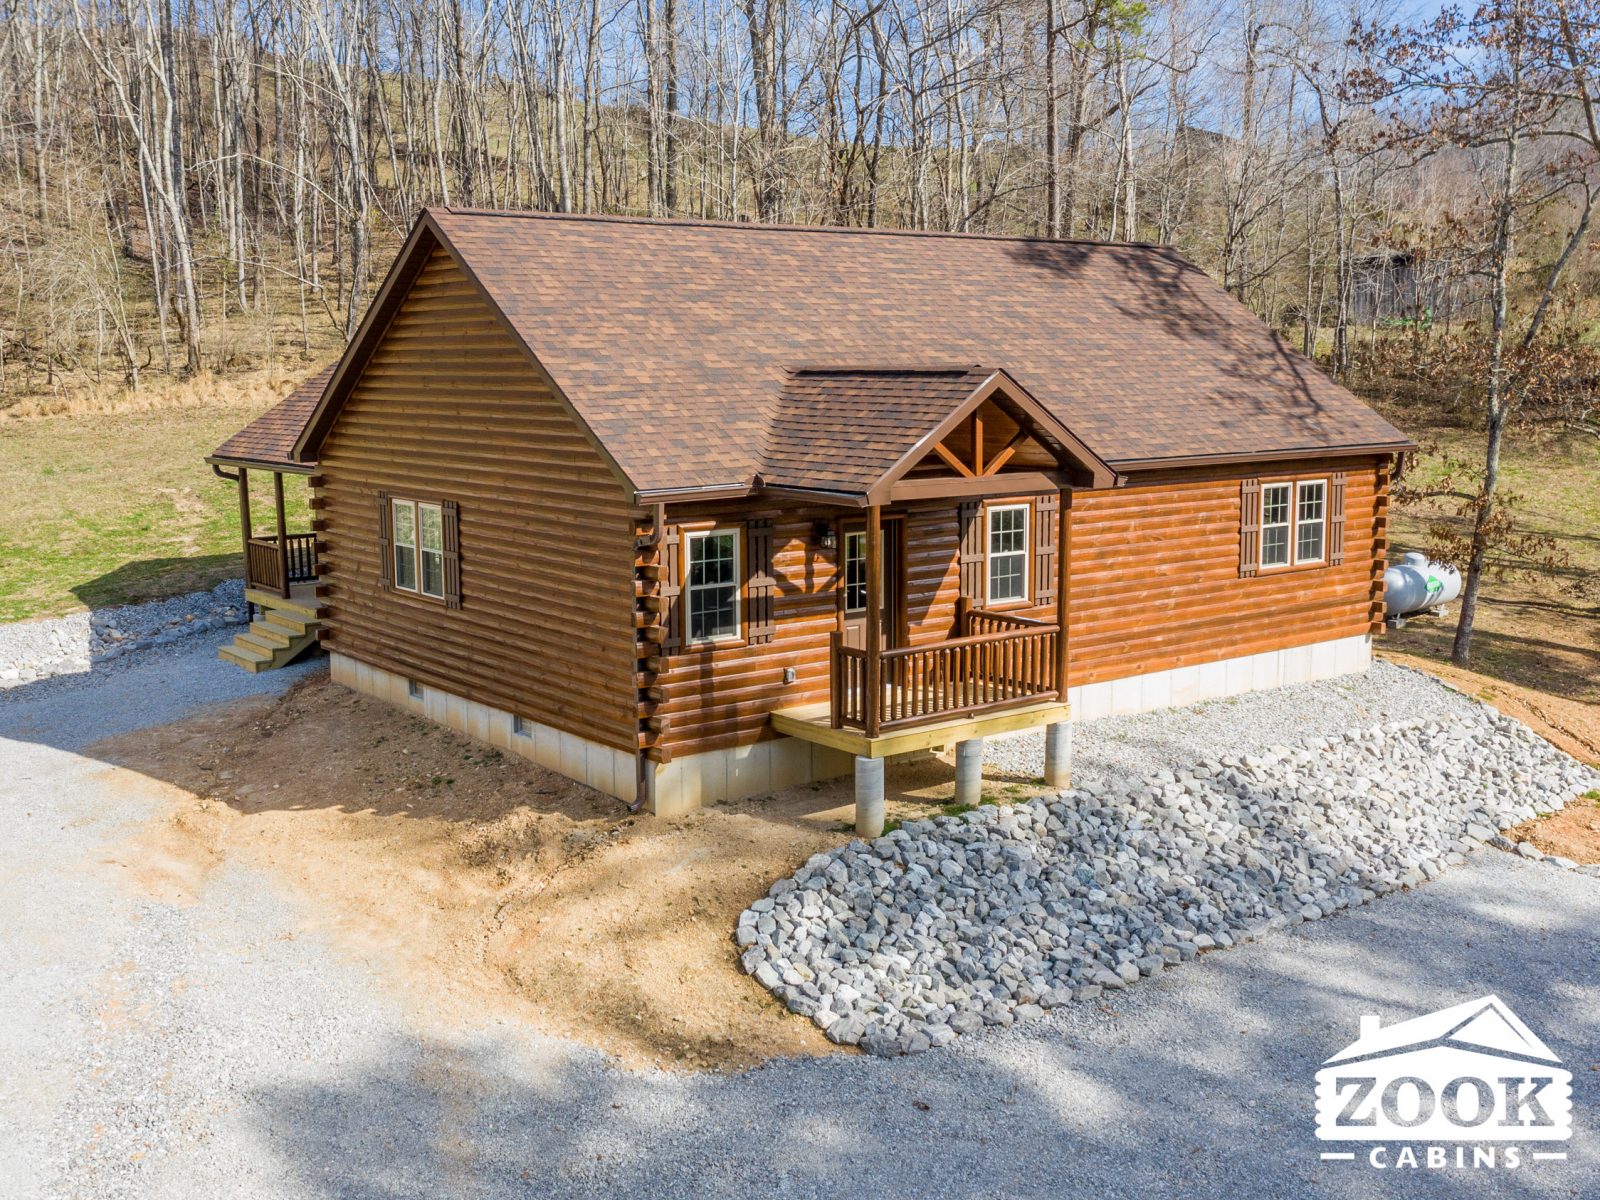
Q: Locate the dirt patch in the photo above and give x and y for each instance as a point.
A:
(1570, 723)
(1573, 833)
(479, 882)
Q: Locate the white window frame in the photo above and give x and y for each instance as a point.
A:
(690, 587)
(1300, 487)
(1287, 524)
(849, 536)
(417, 587)
(1293, 523)
(989, 554)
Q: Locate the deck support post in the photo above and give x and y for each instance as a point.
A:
(283, 534)
(969, 771)
(1058, 755)
(869, 797)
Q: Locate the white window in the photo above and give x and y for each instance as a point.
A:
(1311, 502)
(521, 726)
(1293, 522)
(855, 571)
(419, 548)
(712, 588)
(1008, 553)
(1275, 523)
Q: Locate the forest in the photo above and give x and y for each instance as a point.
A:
(207, 189)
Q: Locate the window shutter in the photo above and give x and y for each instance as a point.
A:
(452, 553)
(671, 590)
(385, 543)
(761, 597)
(1046, 512)
(1249, 527)
(1336, 518)
(971, 557)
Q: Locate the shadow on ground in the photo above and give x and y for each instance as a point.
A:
(1199, 1083)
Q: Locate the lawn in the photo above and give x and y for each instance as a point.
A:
(117, 507)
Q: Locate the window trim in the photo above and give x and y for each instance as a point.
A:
(844, 570)
(1295, 485)
(1025, 553)
(416, 506)
(688, 587)
(1299, 486)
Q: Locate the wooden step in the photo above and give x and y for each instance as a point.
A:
(288, 622)
(271, 636)
(252, 660)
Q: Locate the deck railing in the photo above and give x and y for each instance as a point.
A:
(964, 676)
(984, 620)
(271, 569)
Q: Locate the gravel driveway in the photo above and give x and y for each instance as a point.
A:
(218, 1046)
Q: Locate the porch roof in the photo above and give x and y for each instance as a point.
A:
(269, 440)
(854, 432)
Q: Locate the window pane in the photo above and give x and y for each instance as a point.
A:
(711, 560)
(1311, 501)
(405, 527)
(1007, 530)
(432, 526)
(713, 613)
(1308, 545)
(855, 572)
(1275, 546)
(432, 572)
(1275, 505)
(405, 568)
(1006, 577)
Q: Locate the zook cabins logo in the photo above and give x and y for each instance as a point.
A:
(1416, 1093)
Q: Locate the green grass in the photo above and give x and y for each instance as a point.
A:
(119, 508)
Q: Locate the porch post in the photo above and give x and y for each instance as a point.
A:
(874, 622)
(1063, 554)
(283, 534)
(244, 511)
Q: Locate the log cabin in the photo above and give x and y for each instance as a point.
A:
(693, 512)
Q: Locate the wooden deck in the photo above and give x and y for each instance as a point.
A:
(814, 723)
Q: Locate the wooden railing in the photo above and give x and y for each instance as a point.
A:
(961, 677)
(983, 620)
(272, 569)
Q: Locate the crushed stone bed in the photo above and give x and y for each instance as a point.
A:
(946, 925)
(77, 642)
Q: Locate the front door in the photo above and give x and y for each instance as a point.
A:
(854, 580)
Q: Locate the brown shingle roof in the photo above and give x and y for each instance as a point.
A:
(269, 439)
(672, 340)
(841, 430)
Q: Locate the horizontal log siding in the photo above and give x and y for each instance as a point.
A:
(449, 408)
(1154, 584)
(1154, 576)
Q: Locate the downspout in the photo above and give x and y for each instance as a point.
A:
(221, 474)
(645, 776)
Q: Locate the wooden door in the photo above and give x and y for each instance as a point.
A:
(853, 582)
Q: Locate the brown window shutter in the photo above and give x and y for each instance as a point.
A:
(1046, 512)
(1249, 527)
(971, 557)
(762, 590)
(451, 512)
(671, 589)
(385, 543)
(1336, 518)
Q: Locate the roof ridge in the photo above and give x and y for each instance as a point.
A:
(772, 227)
(955, 370)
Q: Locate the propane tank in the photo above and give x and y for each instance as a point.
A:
(1416, 583)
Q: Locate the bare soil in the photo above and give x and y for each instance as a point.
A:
(481, 883)
(1573, 833)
